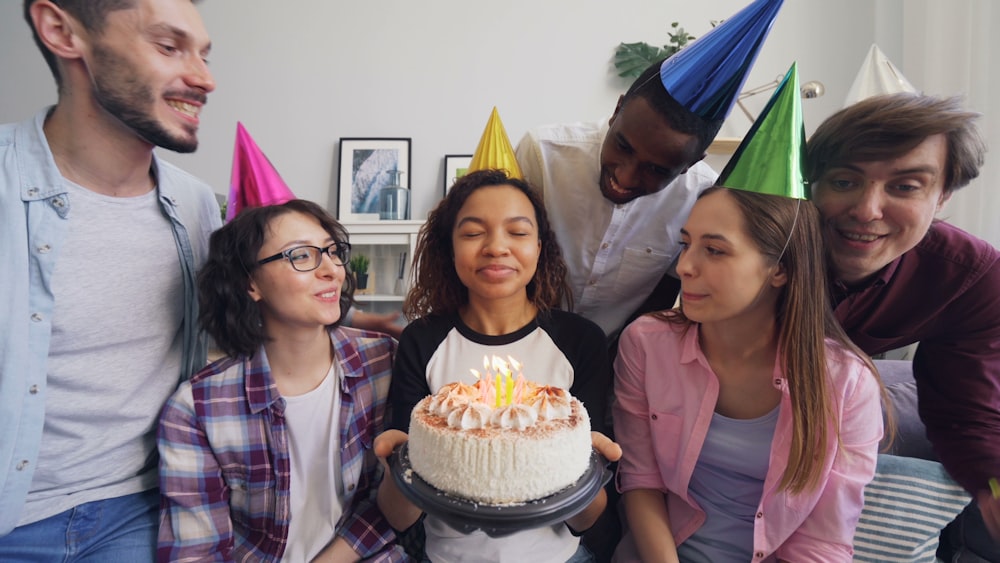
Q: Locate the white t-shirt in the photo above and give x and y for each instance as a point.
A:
(313, 421)
(116, 340)
(616, 253)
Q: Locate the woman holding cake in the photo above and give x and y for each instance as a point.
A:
(246, 445)
(750, 424)
(488, 276)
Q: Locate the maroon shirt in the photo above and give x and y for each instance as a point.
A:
(944, 294)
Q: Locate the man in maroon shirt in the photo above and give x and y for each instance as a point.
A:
(879, 171)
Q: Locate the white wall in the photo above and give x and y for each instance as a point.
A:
(300, 74)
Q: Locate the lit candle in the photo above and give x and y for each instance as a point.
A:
(498, 392)
(510, 388)
(515, 364)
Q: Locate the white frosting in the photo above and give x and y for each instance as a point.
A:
(517, 417)
(504, 455)
(552, 406)
(450, 397)
(469, 416)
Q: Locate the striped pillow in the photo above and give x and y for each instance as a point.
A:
(906, 505)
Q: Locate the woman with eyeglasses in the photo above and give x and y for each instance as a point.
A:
(265, 455)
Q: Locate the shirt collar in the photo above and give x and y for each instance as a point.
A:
(261, 390)
(691, 352)
(39, 182)
(879, 280)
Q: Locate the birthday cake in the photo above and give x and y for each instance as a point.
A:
(503, 443)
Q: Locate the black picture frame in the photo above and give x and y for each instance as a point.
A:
(363, 169)
(455, 166)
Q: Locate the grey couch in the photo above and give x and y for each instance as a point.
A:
(911, 436)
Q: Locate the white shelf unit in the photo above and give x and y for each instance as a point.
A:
(384, 242)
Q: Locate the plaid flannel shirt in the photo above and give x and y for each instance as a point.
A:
(224, 461)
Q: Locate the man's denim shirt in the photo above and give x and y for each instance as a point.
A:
(34, 207)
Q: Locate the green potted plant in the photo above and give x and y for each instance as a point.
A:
(633, 58)
(359, 268)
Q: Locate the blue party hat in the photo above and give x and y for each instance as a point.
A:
(706, 76)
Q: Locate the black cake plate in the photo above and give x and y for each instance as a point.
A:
(498, 520)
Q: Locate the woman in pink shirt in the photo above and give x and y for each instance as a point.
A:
(749, 423)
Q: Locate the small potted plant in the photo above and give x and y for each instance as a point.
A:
(359, 268)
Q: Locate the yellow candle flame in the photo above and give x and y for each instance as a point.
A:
(515, 364)
(499, 365)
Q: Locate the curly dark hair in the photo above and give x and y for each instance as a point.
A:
(226, 311)
(437, 288)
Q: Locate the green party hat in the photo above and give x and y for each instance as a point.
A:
(769, 159)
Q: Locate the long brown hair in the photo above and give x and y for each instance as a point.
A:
(436, 286)
(787, 232)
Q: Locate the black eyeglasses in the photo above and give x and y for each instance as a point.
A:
(308, 258)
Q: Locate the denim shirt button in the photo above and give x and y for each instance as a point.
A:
(32, 192)
(36, 317)
(33, 389)
(44, 249)
(21, 465)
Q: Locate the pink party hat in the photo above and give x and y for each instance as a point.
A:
(254, 181)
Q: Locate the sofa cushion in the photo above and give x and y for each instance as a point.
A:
(911, 436)
(906, 505)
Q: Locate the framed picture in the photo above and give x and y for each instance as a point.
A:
(455, 166)
(366, 166)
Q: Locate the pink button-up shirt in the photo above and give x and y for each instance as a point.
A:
(665, 397)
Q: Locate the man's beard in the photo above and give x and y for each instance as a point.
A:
(119, 91)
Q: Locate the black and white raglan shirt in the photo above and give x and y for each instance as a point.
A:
(557, 348)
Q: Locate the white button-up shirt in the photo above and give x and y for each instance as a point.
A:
(616, 253)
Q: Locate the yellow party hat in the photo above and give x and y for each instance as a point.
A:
(495, 150)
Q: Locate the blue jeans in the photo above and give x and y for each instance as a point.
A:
(966, 540)
(114, 530)
(582, 555)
